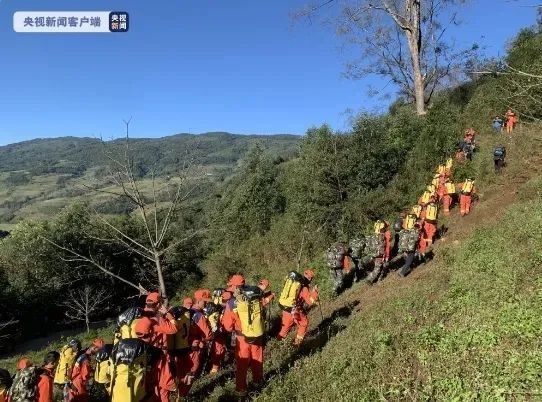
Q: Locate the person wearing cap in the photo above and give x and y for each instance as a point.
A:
(249, 354)
(298, 314)
(199, 335)
(380, 262)
(220, 338)
(153, 328)
(82, 371)
(45, 381)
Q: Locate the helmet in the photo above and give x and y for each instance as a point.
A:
(74, 344)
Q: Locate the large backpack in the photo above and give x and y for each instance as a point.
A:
(431, 212)
(450, 188)
(217, 295)
(426, 197)
(65, 365)
(293, 284)
(213, 312)
(126, 323)
(25, 385)
(101, 372)
(499, 153)
(375, 245)
(357, 247)
(408, 240)
(248, 306)
(335, 256)
(178, 343)
(467, 186)
(131, 361)
(417, 210)
(409, 221)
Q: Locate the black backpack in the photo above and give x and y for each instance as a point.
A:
(5, 379)
(499, 153)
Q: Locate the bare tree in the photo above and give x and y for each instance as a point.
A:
(82, 304)
(155, 217)
(403, 41)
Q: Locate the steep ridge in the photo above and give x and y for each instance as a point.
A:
(373, 318)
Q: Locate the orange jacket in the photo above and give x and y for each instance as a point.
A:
(200, 331)
(45, 387)
(306, 296)
(162, 327)
(81, 374)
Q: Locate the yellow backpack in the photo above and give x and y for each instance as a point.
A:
(379, 225)
(293, 284)
(467, 186)
(426, 197)
(217, 295)
(101, 372)
(131, 362)
(65, 365)
(450, 188)
(449, 163)
(436, 180)
(431, 212)
(409, 221)
(178, 342)
(213, 313)
(126, 323)
(248, 306)
(441, 169)
(417, 210)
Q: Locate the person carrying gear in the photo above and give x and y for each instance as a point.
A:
(397, 227)
(199, 335)
(449, 166)
(497, 125)
(156, 324)
(379, 248)
(303, 298)
(356, 249)
(45, 381)
(338, 263)
(64, 368)
(24, 382)
(6, 381)
(430, 221)
(133, 365)
(499, 155)
(417, 210)
(213, 312)
(243, 316)
(511, 120)
(408, 244)
(448, 192)
(467, 190)
(82, 371)
(102, 373)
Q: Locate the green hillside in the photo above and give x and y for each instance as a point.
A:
(40, 177)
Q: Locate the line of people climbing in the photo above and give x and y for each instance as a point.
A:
(158, 351)
(415, 230)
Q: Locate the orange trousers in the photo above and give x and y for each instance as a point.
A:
(464, 204)
(218, 351)
(187, 364)
(430, 230)
(247, 356)
(446, 203)
(299, 317)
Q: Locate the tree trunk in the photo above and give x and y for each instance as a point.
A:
(414, 39)
(87, 322)
(160, 275)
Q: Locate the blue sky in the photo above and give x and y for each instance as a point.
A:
(194, 66)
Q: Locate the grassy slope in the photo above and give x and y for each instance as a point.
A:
(465, 326)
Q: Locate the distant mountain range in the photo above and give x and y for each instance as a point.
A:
(38, 177)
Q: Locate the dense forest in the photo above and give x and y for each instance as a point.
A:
(276, 208)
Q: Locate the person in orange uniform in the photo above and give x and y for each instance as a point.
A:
(467, 190)
(218, 346)
(298, 314)
(199, 334)
(153, 328)
(448, 191)
(82, 371)
(248, 353)
(511, 120)
(381, 261)
(430, 224)
(45, 381)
